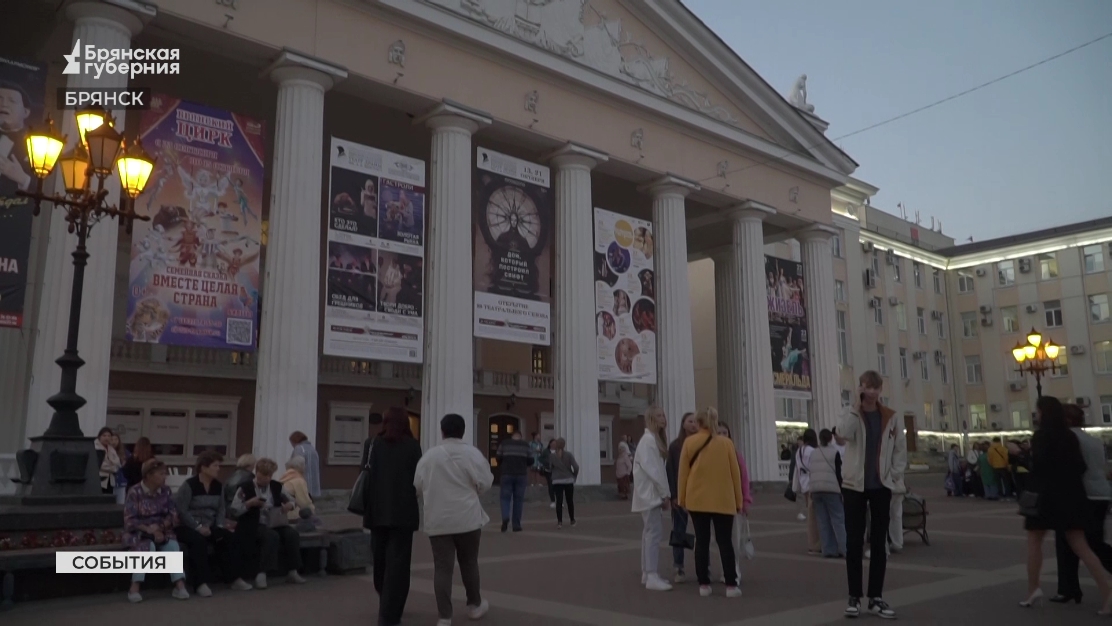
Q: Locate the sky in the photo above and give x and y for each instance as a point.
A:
(1031, 152)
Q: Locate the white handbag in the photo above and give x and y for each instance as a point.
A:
(746, 538)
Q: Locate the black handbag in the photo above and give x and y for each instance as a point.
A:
(789, 494)
(357, 502)
(680, 539)
(1028, 503)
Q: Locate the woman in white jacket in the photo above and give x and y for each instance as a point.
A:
(651, 495)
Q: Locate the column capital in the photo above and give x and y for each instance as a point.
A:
(573, 155)
(670, 184)
(451, 114)
(751, 210)
(292, 65)
(816, 232)
(131, 20)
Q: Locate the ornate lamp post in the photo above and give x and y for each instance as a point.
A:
(57, 467)
(1036, 357)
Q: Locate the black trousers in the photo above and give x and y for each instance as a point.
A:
(1068, 583)
(548, 481)
(262, 552)
(565, 492)
(723, 534)
(446, 550)
(392, 553)
(223, 542)
(875, 503)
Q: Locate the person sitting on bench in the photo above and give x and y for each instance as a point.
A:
(262, 528)
(200, 502)
(149, 521)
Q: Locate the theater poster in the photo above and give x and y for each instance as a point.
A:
(194, 278)
(625, 298)
(787, 326)
(22, 90)
(513, 249)
(375, 259)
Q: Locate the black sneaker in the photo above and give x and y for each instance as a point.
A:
(880, 608)
(853, 607)
(505, 525)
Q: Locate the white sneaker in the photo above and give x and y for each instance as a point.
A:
(180, 593)
(868, 554)
(443, 622)
(134, 598)
(801, 517)
(705, 590)
(656, 583)
(294, 577)
(204, 591)
(241, 585)
(733, 592)
(680, 577)
(260, 581)
(477, 612)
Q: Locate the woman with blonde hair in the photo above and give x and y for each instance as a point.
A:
(651, 495)
(623, 469)
(710, 490)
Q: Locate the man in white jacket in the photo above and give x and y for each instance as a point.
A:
(651, 495)
(872, 470)
(449, 480)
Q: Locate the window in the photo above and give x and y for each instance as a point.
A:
(1106, 409)
(1010, 317)
(901, 316)
(180, 426)
(1048, 265)
(924, 369)
(542, 364)
(1063, 366)
(978, 418)
(973, 370)
(942, 372)
(836, 245)
(1098, 308)
(937, 281)
(1102, 357)
(1094, 259)
(843, 342)
(903, 363)
(878, 312)
(1053, 313)
(1005, 273)
(965, 282)
(897, 268)
(917, 270)
(921, 318)
(881, 360)
(839, 291)
(1021, 416)
(941, 323)
(969, 324)
(876, 263)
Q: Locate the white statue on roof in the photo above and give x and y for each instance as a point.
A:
(798, 95)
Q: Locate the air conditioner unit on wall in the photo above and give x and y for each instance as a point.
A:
(939, 357)
(1077, 349)
(995, 408)
(874, 303)
(936, 315)
(893, 300)
(1018, 385)
(890, 257)
(1032, 308)
(1081, 401)
(980, 271)
(918, 355)
(986, 321)
(986, 309)
(867, 246)
(1024, 266)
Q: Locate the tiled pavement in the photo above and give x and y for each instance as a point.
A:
(972, 573)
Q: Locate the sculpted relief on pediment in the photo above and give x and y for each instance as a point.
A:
(577, 30)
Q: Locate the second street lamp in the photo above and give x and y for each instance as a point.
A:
(1036, 357)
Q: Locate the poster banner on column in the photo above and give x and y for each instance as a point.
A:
(22, 89)
(625, 298)
(787, 326)
(194, 277)
(374, 301)
(513, 251)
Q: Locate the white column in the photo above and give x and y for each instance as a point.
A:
(675, 370)
(448, 384)
(575, 355)
(103, 26)
(286, 387)
(822, 346)
(759, 414)
(729, 341)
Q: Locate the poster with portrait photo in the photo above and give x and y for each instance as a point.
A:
(625, 298)
(787, 326)
(22, 91)
(513, 249)
(374, 307)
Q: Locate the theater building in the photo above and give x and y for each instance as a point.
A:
(485, 207)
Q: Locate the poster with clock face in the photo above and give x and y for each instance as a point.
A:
(625, 298)
(374, 260)
(513, 249)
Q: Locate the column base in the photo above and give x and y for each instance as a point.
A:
(59, 471)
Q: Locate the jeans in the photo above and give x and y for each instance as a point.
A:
(446, 550)
(877, 502)
(1068, 583)
(679, 525)
(832, 522)
(171, 545)
(992, 491)
(959, 480)
(896, 522)
(723, 534)
(392, 553)
(513, 492)
(651, 535)
(565, 491)
(225, 547)
(120, 492)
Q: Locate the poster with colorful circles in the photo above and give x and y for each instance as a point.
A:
(625, 298)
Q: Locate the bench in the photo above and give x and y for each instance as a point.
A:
(38, 558)
(915, 516)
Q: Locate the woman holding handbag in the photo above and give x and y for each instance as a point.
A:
(651, 495)
(710, 490)
(741, 535)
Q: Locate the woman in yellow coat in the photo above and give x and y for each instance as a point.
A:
(710, 490)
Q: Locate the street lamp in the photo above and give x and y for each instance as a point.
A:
(1036, 357)
(100, 151)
